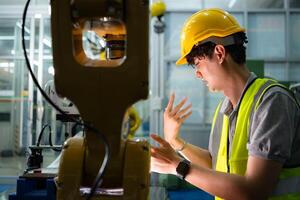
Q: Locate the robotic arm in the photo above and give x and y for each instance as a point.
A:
(100, 53)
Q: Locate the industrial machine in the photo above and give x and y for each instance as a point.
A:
(66, 118)
(100, 54)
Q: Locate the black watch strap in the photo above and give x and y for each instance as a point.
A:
(183, 169)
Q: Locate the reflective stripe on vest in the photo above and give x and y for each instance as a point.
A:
(288, 187)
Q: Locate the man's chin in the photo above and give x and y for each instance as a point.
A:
(212, 89)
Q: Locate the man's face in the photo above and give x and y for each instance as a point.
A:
(208, 71)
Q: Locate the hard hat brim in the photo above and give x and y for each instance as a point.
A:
(182, 60)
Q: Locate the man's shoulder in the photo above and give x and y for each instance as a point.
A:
(280, 95)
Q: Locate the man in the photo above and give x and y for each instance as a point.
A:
(254, 148)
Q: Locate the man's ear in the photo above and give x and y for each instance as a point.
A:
(220, 53)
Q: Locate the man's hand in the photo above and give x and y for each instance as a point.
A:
(164, 159)
(174, 117)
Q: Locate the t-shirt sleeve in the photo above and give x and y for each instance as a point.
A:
(273, 126)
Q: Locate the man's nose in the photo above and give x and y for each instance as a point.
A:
(198, 74)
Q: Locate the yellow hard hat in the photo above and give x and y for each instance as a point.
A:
(209, 23)
(158, 8)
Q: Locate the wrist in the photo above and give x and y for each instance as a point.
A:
(175, 165)
(183, 168)
(178, 144)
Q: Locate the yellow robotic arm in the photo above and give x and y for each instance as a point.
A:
(100, 53)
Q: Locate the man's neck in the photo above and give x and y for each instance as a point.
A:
(235, 84)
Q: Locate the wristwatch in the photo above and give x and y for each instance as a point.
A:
(183, 169)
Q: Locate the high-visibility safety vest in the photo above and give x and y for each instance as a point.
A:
(288, 186)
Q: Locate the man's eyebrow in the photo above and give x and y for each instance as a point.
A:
(198, 59)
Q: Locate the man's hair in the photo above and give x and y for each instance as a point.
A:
(237, 50)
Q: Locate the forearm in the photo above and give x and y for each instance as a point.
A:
(224, 185)
(259, 181)
(195, 154)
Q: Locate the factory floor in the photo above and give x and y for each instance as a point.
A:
(12, 167)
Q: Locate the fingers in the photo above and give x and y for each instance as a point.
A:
(156, 156)
(170, 103)
(159, 140)
(184, 117)
(183, 112)
(163, 153)
(178, 107)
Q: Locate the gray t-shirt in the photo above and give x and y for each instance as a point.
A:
(274, 129)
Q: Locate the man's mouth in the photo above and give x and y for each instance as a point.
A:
(205, 82)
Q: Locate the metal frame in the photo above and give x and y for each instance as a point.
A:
(156, 80)
(23, 137)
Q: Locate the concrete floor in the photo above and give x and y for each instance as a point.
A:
(10, 169)
(12, 166)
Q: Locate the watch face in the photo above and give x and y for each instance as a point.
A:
(183, 169)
